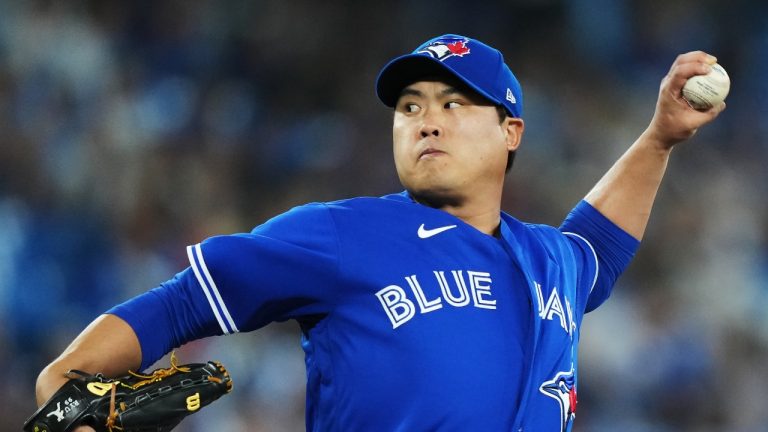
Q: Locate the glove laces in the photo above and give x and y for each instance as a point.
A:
(158, 374)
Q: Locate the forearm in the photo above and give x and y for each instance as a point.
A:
(108, 345)
(626, 193)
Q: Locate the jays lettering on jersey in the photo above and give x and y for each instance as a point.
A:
(411, 319)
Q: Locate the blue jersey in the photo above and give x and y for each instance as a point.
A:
(411, 319)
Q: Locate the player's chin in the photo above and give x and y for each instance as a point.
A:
(435, 195)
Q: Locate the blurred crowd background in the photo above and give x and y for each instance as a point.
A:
(129, 130)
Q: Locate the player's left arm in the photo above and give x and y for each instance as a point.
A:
(625, 194)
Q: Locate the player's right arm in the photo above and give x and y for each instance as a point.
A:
(108, 345)
(625, 194)
(234, 283)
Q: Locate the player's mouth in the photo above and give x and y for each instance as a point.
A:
(430, 152)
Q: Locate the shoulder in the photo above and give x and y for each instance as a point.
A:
(385, 207)
(542, 232)
(534, 235)
(322, 216)
(397, 200)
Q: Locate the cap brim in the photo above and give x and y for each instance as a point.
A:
(407, 69)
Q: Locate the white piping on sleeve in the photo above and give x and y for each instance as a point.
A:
(209, 286)
(594, 254)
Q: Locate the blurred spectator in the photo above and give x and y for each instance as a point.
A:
(131, 129)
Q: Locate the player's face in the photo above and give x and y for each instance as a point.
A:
(449, 142)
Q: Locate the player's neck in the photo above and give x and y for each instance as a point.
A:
(484, 215)
(485, 220)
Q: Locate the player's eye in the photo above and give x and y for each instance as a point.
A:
(452, 105)
(411, 108)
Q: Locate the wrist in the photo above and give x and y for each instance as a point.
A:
(653, 141)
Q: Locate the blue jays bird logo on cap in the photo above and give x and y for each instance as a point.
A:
(479, 66)
(446, 47)
(563, 389)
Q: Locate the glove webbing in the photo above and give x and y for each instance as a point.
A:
(157, 375)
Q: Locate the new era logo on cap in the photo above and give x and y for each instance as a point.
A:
(476, 64)
(511, 96)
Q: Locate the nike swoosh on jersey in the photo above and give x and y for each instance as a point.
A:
(427, 233)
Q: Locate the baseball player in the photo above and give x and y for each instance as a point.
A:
(429, 309)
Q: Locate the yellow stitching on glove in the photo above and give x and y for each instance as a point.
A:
(112, 412)
(158, 374)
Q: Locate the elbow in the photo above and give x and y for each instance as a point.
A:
(50, 379)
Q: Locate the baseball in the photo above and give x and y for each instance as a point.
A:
(705, 91)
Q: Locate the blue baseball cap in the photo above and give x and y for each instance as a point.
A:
(474, 63)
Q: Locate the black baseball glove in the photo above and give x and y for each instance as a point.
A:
(134, 403)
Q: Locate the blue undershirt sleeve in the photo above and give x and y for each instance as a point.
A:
(168, 316)
(602, 246)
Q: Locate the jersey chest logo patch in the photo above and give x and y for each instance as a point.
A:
(424, 233)
(562, 388)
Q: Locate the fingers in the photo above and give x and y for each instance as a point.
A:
(675, 120)
(688, 65)
(696, 56)
(716, 110)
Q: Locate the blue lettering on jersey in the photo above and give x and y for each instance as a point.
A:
(474, 289)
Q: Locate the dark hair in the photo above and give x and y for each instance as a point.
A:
(511, 155)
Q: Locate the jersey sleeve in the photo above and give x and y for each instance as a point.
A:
(602, 250)
(285, 268)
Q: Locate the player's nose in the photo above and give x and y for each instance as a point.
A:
(430, 126)
(430, 130)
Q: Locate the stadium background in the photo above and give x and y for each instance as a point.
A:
(131, 129)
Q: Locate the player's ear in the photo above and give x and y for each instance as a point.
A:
(513, 132)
